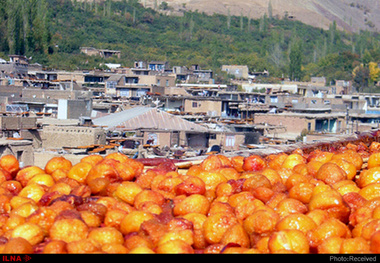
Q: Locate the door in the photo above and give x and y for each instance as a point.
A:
(197, 140)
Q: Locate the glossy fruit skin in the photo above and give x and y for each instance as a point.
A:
(254, 163)
(296, 202)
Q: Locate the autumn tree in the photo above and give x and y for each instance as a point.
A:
(374, 71)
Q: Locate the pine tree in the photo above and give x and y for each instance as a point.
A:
(14, 27)
(26, 26)
(270, 10)
(241, 21)
(40, 27)
(228, 18)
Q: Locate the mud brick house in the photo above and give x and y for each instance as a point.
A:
(71, 136)
(295, 123)
(239, 71)
(104, 53)
(17, 65)
(21, 149)
(22, 127)
(164, 128)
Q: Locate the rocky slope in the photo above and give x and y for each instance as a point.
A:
(350, 15)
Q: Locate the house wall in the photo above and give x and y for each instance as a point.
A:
(75, 76)
(293, 124)
(197, 140)
(56, 94)
(173, 104)
(16, 68)
(240, 72)
(89, 51)
(22, 150)
(170, 91)
(79, 108)
(297, 123)
(161, 138)
(71, 136)
(17, 123)
(73, 109)
(157, 80)
(166, 138)
(211, 107)
(228, 141)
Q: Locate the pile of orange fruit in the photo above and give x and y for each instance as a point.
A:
(298, 202)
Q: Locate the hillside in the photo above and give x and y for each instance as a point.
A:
(351, 15)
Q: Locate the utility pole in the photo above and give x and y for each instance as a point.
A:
(347, 119)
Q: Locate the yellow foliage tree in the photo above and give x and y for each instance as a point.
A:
(374, 71)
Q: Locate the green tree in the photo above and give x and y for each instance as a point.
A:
(361, 77)
(26, 28)
(295, 61)
(14, 26)
(40, 30)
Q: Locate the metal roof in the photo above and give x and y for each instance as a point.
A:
(147, 118)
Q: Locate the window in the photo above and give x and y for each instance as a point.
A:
(152, 139)
(230, 140)
(19, 155)
(195, 104)
(273, 99)
(111, 85)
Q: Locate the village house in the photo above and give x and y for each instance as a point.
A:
(342, 87)
(194, 74)
(18, 127)
(157, 126)
(270, 88)
(95, 79)
(104, 53)
(136, 85)
(17, 65)
(22, 149)
(183, 75)
(318, 81)
(202, 113)
(202, 75)
(238, 71)
(297, 123)
(165, 130)
(70, 104)
(70, 136)
(160, 66)
(76, 76)
(200, 105)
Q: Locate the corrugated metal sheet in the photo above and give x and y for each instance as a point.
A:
(147, 118)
